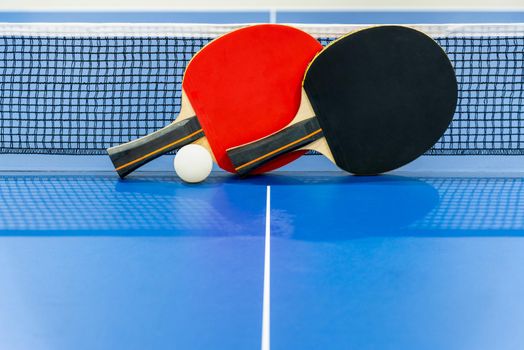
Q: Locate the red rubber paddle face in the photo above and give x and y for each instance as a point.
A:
(246, 85)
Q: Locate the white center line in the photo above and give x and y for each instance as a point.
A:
(272, 15)
(267, 266)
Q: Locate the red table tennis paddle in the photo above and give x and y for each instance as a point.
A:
(372, 101)
(238, 88)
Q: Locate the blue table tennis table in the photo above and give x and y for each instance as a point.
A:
(88, 261)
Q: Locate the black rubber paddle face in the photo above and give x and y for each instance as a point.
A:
(383, 97)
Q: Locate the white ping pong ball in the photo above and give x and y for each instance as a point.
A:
(193, 163)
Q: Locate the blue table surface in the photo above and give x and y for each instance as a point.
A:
(91, 262)
(389, 262)
(325, 16)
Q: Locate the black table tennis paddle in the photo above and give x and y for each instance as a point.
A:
(372, 101)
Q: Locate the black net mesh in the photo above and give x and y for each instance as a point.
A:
(490, 110)
(81, 95)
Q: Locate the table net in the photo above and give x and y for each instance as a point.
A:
(79, 89)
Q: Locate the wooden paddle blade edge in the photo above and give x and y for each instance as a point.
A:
(132, 155)
(248, 157)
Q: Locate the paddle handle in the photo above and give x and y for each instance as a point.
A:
(252, 155)
(132, 155)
